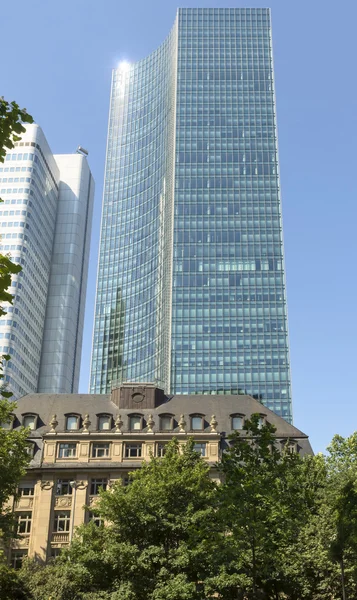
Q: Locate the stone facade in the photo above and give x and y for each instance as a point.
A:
(80, 443)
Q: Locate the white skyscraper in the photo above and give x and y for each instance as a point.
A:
(45, 224)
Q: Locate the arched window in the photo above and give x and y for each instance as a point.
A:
(135, 422)
(237, 422)
(261, 421)
(31, 449)
(30, 420)
(104, 422)
(72, 422)
(197, 422)
(166, 422)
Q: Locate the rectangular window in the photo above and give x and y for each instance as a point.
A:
(63, 487)
(100, 450)
(72, 423)
(29, 421)
(62, 520)
(135, 423)
(237, 423)
(96, 484)
(166, 423)
(17, 557)
(104, 423)
(27, 489)
(196, 423)
(67, 450)
(161, 449)
(133, 450)
(96, 519)
(201, 448)
(24, 520)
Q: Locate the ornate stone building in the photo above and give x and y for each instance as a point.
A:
(82, 442)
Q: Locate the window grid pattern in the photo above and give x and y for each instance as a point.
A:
(229, 328)
(131, 331)
(67, 450)
(62, 521)
(29, 189)
(219, 295)
(100, 450)
(24, 521)
(96, 485)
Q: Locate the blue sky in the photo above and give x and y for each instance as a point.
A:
(56, 61)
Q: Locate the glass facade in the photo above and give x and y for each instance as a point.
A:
(198, 291)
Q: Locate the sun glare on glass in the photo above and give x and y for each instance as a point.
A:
(124, 66)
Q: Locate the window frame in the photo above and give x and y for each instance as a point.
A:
(63, 483)
(9, 425)
(141, 422)
(24, 486)
(59, 444)
(31, 448)
(161, 449)
(262, 420)
(28, 415)
(24, 518)
(237, 416)
(96, 519)
(105, 416)
(58, 517)
(70, 416)
(20, 555)
(167, 416)
(204, 447)
(95, 448)
(129, 446)
(95, 486)
(197, 416)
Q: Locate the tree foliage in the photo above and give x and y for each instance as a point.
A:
(159, 540)
(267, 497)
(275, 528)
(12, 118)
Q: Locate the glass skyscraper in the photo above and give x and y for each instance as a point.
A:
(45, 225)
(191, 290)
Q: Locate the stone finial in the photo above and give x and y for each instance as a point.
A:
(213, 423)
(86, 424)
(150, 424)
(118, 424)
(182, 424)
(53, 424)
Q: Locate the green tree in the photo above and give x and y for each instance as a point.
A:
(342, 501)
(12, 118)
(267, 497)
(14, 459)
(160, 539)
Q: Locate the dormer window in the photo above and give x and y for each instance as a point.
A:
(135, 422)
(30, 449)
(261, 421)
(30, 420)
(72, 422)
(166, 422)
(104, 422)
(237, 422)
(8, 424)
(197, 422)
